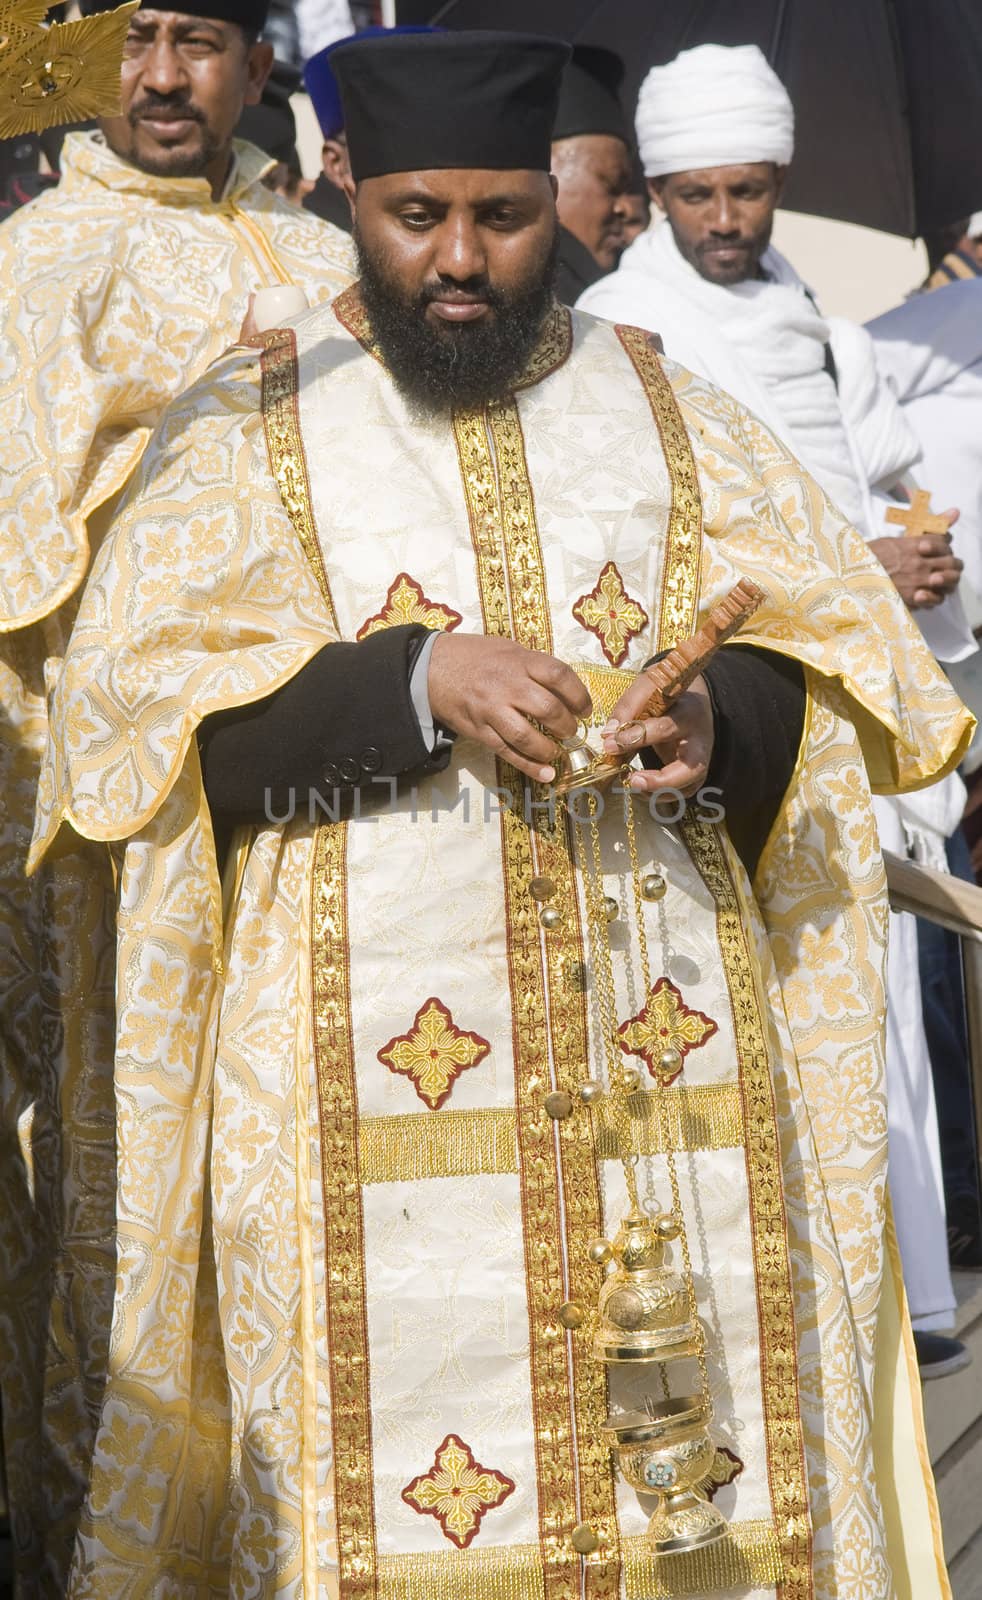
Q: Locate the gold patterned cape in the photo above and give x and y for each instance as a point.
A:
(119, 289)
(346, 1217)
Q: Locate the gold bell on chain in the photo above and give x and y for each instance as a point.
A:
(667, 1451)
(644, 1311)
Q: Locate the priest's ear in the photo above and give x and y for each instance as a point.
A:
(350, 188)
(259, 65)
(780, 178)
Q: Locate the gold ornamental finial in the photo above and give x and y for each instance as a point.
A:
(65, 73)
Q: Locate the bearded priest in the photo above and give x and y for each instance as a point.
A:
(417, 1075)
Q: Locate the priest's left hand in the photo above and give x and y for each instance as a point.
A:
(683, 737)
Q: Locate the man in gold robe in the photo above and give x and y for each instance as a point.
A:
(119, 287)
(399, 1041)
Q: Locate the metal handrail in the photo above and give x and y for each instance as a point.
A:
(956, 905)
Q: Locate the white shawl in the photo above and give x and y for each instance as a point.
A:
(764, 341)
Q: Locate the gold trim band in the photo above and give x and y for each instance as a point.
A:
(284, 444)
(337, 1096)
(460, 1144)
(683, 545)
(549, 1029)
(749, 1556)
(768, 1221)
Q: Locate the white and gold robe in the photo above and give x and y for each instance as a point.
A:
(347, 1220)
(119, 288)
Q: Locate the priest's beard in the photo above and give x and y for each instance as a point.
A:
(456, 366)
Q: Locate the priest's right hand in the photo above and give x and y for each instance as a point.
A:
(487, 689)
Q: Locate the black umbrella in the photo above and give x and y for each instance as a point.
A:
(887, 93)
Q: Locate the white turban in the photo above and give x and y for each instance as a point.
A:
(714, 106)
(974, 229)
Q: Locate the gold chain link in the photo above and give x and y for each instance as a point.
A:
(660, 1091)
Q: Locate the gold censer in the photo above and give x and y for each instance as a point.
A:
(646, 1314)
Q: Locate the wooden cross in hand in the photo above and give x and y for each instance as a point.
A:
(918, 518)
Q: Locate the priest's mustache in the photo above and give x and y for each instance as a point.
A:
(164, 108)
(462, 289)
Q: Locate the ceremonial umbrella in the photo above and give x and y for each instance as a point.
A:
(887, 93)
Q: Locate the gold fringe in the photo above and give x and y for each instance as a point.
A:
(606, 685)
(749, 1556)
(704, 1116)
(459, 1144)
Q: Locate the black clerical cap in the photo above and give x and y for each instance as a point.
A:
(419, 102)
(589, 98)
(249, 14)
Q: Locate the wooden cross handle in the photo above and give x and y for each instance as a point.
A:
(672, 675)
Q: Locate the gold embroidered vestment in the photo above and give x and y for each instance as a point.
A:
(351, 1210)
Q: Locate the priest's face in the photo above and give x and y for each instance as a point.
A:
(185, 81)
(595, 177)
(456, 275)
(722, 216)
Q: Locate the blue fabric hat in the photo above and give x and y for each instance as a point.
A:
(322, 85)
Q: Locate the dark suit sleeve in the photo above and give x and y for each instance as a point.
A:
(346, 718)
(758, 701)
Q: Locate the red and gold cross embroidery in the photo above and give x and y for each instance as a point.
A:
(458, 1491)
(434, 1052)
(609, 612)
(406, 602)
(665, 1022)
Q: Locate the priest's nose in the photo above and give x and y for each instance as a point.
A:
(162, 69)
(460, 252)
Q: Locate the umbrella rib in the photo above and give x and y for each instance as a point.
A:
(777, 32)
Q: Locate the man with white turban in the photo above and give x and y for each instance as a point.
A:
(715, 132)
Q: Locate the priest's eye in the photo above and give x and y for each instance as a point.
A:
(416, 221)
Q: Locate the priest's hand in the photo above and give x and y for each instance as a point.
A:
(487, 689)
(683, 737)
(923, 570)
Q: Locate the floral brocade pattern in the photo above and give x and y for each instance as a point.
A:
(127, 287)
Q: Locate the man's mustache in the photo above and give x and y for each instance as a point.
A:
(165, 109)
(473, 289)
